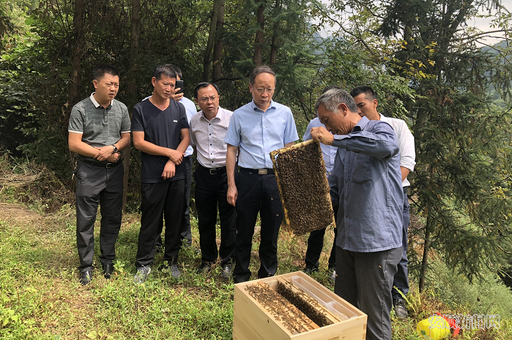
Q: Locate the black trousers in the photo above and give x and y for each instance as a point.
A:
(157, 198)
(211, 189)
(256, 193)
(104, 186)
(186, 233)
(315, 245)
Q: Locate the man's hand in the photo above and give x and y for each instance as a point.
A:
(176, 156)
(177, 96)
(320, 134)
(232, 195)
(114, 158)
(104, 153)
(169, 170)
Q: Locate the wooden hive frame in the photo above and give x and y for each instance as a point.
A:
(306, 203)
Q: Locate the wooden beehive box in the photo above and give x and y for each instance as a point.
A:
(303, 187)
(255, 319)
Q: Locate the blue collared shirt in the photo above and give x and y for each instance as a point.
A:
(257, 133)
(328, 151)
(191, 109)
(367, 182)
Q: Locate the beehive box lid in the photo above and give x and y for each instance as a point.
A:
(303, 187)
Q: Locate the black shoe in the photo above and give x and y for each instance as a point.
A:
(85, 277)
(108, 269)
(227, 271)
(204, 268)
(400, 308)
(310, 270)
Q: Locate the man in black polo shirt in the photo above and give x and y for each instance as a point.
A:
(99, 127)
(160, 132)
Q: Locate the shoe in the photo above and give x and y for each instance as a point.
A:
(85, 277)
(332, 274)
(108, 269)
(400, 308)
(310, 270)
(175, 272)
(142, 274)
(227, 271)
(204, 268)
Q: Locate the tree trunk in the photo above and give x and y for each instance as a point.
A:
(131, 88)
(76, 51)
(426, 246)
(258, 41)
(217, 51)
(210, 43)
(273, 46)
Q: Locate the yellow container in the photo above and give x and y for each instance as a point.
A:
(433, 328)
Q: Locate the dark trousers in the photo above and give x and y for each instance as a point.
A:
(365, 281)
(211, 189)
(186, 233)
(160, 198)
(97, 184)
(256, 193)
(401, 281)
(316, 243)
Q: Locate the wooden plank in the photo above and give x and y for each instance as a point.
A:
(252, 321)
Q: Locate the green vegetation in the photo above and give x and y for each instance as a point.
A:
(41, 298)
(424, 58)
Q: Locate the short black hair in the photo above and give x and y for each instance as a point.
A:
(100, 71)
(177, 70)
(166, 70)
(259, 70)
(203, 85)
(367, 90)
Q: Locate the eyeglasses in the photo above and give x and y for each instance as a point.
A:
(207, 99)
(261, 91)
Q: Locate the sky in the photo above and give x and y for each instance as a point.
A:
(482, 23)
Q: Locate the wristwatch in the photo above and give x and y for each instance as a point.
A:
(115, 148)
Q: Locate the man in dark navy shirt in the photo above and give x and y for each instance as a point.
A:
(160, 132)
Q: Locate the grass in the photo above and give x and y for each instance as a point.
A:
(41, 298)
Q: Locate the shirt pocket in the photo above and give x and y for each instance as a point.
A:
(362, 171)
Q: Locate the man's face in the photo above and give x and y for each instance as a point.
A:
(336, 123)
(208, 100)
(106, 88)
(263, 89)
(163, 87)
(366, 107)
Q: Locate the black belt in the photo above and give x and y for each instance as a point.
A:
(107, 165)
(264, 171)
(214, 171)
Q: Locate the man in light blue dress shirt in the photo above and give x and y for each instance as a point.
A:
(255, 130)
(367, 183)
(316, 238)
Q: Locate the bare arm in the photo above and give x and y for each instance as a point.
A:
(153, 149)
(76, 145)
(230, 170)
(405, 172)
(288, 144)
